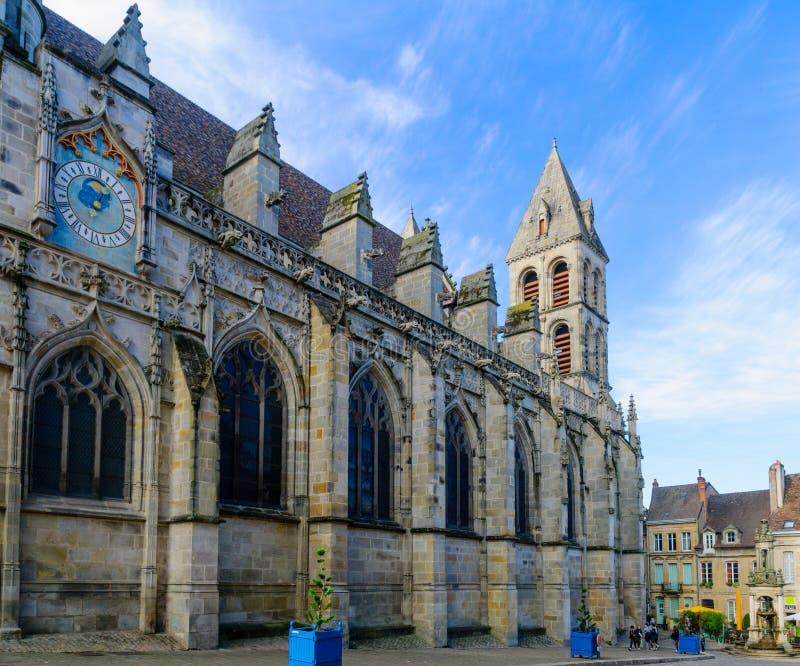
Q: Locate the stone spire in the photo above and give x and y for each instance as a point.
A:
(411, 228)
(632, 417)
(124, 57)
(557, 202)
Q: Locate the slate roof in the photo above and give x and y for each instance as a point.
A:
(201, 143)
(743, 510)
(676, 502)
(555, 195)
(791, 504)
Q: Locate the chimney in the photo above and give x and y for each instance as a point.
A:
(776, 486)
(701, 486)
(655, 483)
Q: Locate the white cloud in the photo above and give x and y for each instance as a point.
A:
(331, 125)
(409, 60)
(724, 340)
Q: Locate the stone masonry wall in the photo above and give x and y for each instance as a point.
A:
(79, 573)
(375, 578)
(463, 582)
(19, 103)
(257, 570)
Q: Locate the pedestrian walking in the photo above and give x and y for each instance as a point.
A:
(632, 638)
(637, 638)
(654, 637)
(675, 636)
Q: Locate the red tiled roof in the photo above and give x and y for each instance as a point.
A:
(791, 504)
(201, 142)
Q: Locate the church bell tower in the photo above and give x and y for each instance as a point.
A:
(557, 267)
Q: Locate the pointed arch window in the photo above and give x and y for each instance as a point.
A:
(598, 354)
(530, 286)
(458, 472)
(587, 336)
(596, 290)
(560, 285)
(561, 347)
(586, 271)
(251, 429)
(521, 481)
(369, 458)
(570, 502)
(82, 429)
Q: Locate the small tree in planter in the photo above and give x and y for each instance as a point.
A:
(583, 641)
(319, 595)
(316, 644)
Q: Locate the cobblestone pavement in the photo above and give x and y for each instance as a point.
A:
(117, 648)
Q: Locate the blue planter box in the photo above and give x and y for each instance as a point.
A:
(309, 646)
(583, 644)
(689, 644)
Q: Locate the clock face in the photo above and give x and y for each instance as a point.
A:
(94, 204)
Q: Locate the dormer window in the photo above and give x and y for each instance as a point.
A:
(708, 540)
(730, 536)
(530, 286)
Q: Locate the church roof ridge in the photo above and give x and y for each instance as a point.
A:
(201, 143)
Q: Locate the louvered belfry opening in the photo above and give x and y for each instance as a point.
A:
(561, 347)
(530, 286)
(561, 285)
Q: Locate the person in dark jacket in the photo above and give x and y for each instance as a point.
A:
(675, 636)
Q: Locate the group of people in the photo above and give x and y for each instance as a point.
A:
(650, 635)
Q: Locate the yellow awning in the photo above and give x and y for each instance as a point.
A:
(701, 609)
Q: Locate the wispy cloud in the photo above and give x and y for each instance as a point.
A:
(331, 125)
(724, 339)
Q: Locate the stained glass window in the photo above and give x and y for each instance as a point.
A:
(522, 523)
(250, 427)
(81, 429)
(369, 458)
(458, 472)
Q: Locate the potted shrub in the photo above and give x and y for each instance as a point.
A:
(583, 638)
(317, 644)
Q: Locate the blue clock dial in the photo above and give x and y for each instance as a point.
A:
(94, 204)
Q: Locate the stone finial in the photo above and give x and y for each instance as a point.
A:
(48, 111)
(421, 249)
(478, 287)
(149, 153)
(349, 202)
(257, 136)
(411, 228)
(555, 146)
(124, 56)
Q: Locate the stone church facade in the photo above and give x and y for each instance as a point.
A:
(211, 366)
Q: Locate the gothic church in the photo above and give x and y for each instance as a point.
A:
(212, 365)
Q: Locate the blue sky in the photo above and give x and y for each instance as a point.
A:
(679, 119)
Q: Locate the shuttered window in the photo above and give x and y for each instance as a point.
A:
(530, 286)
(561, 346)
(561, 285)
